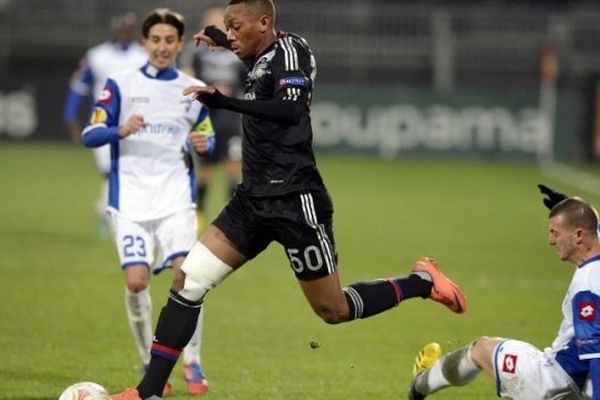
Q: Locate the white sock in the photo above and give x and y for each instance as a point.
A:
(453, 369)
(191, 352)
(139, 313)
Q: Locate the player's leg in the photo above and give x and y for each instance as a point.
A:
(138, 305)
(203, 177)
(233, 163)
(457, 368)
(197, 384)
(308, 240)
(210, 261)
(135, 247)
(102, 160)
(362, 299)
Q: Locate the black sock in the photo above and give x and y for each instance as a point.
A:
(201, 190)
(175, 327)
(370, 298)
(414, 285)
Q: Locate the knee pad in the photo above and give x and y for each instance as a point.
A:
(203, 272)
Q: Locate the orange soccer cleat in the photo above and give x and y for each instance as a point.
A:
(197, 384)
(444, 290)
(128, 394)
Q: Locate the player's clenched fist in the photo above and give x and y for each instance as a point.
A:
(200, 141)
(133, 124)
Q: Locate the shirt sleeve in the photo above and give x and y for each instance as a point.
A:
(102, 127)
(275, 110)
(80, 88)
(586, 321)
(292, 68)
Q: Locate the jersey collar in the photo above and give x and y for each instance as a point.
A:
(166, 74)
(589, 260)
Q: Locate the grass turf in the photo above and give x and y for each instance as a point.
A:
(61, 291)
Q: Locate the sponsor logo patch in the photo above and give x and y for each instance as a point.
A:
(509, 365)
(587, 311)
(99, 116)
(292, 81)
(105, 96)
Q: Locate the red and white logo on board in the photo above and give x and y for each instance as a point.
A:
(510, 363)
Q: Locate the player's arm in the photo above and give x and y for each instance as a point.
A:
(80, 88)
(213, 37)
(586, 323)
(202, 136)
(102, 127)
(290, 97)
(276, 110)
(552, 197)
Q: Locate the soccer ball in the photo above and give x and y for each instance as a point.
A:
(85, 391)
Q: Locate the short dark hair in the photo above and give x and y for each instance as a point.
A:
(577, 213)
(163, 16)
(266, 6)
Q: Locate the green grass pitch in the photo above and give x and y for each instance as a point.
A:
(62, 318)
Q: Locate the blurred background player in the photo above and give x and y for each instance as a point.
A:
(151, 129)
(120, 53)
(220, 68)
(570, 368)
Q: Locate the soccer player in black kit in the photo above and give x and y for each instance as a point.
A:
(281, 198)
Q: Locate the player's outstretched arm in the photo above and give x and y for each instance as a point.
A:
(281, 111)
(553, 197)
(213, 37)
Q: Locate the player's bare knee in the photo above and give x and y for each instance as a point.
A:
(136, 284)
(331, 315)
(481, 348)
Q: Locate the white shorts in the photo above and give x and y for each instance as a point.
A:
(157, 242)
(102, 158)
(523, 372)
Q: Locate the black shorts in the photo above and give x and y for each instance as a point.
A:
(301, 222)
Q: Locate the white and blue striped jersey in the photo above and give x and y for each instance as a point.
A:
(151, 174)
(578, 338)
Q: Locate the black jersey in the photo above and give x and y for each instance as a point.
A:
(278, 158)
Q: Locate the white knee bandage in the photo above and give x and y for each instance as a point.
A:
(203, 272)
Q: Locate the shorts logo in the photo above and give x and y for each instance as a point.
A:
(587, 311)
(105, 96)
(510, 363)
(99, 116)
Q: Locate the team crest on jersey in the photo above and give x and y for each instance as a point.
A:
(587, 311)
(509, 365)
(261, 68)
(99, 116)
(105, 95)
